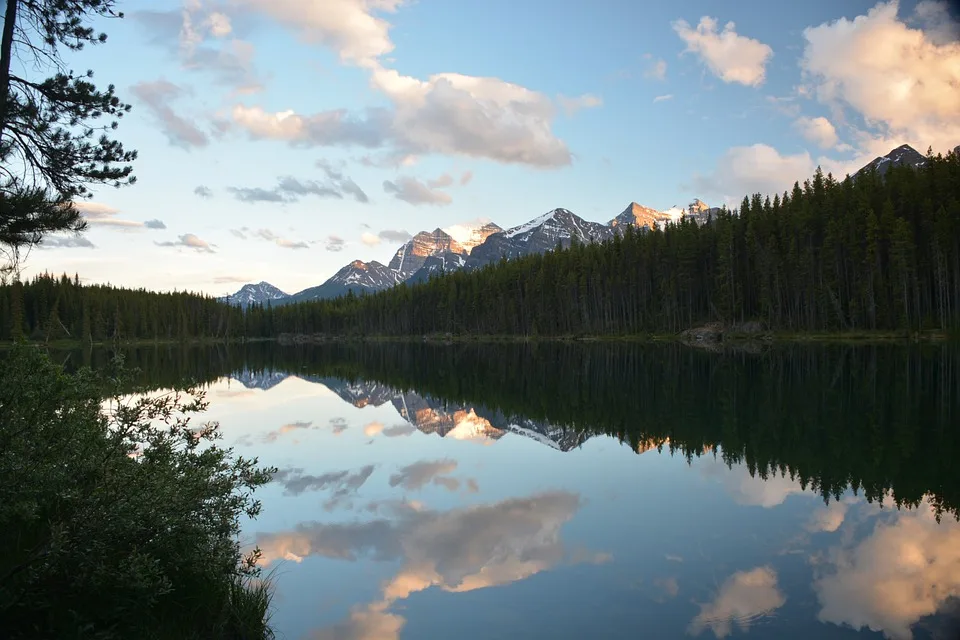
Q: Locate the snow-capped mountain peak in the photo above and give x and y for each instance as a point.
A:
(472, 233)
(258, 293)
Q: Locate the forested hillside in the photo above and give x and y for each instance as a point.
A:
(875, 253)
(50, 308)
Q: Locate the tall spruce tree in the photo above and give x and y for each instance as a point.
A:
(54, 131)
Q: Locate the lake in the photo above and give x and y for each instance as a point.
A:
(595, 490)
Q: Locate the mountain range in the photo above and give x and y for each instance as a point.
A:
(429, 415)
(470, 246)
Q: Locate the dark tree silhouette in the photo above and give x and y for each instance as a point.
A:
(54, 138)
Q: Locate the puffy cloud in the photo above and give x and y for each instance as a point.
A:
(447, 113)
(413, 191)
(571, 106)
(270, 236)
(290, 189)
(818, 130)
(445, 180)
(415, 476)
(460, 550)
(663, 98)
(752, 490)
(103, 215)
(373, 429)
(341, 484)
(352, 28)
(369, 239)
(219, 25)
(907, 567)
(755, 169)
(203, 192)
(654, 68)
(743, 597)
(199, 42)
(72, 241)
(189, 241)
(394, 235)
(334, 243)
(902, 81)
(730, 56)
(157, 96)
(829, 518)
(343, 182)
(402, 430)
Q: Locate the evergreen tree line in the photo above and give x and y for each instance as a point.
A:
(879, 419)
(875, 253)
(49, 308)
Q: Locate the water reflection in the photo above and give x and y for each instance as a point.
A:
(616, 492)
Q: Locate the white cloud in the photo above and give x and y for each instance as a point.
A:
(730, 56)
(189, 241)
(103, 215)
(285, 243)
(219, 25)
(655, 68)
(72, 241)
(903, 81)
(369, 239)
(818, 130)
(571, 106)
(905, 569)
(663, 98)
(460, 550)
(743, 597)
(157, 97)
(414, 192)
(758, 168)
(448, 113)
(352, 28)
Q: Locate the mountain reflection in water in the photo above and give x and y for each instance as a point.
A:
(792, 493)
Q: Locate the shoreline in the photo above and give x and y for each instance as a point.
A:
(719, 340)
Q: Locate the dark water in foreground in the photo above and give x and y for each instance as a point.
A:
(604, 491)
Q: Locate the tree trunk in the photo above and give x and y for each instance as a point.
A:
(6, 56)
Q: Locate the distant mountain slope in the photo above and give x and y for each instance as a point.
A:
(557, 227)
(358, 276)
(259, 293)
(904, 155)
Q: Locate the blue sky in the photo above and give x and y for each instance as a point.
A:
(281, 139)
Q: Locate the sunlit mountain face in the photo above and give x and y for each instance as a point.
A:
(603, 490)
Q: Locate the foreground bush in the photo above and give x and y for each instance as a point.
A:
(118, 518)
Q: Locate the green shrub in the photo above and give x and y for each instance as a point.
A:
(118, 517)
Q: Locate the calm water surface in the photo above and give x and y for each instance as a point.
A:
(567, 491)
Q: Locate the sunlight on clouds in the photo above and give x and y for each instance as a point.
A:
(730, 56)
(818, 130)
(907, 568)
(460, 550)
(907, 86)
(449, 113)
(758, 168)
(743, 597)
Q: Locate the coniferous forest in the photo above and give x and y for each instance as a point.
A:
(870, 254)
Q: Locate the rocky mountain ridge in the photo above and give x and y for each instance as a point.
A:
(473, 245)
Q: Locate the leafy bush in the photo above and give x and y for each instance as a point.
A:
(118, 517)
